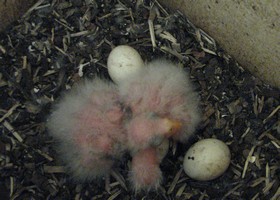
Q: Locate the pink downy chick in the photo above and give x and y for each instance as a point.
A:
(87, 123)
(145, 170)
(163, 89)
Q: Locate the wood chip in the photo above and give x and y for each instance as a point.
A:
(115, 195)
(54, 169)
(174, 182)
(247, 161)
(9, 112)
(12, 130)
(151, 26)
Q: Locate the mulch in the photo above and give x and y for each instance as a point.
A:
(58, 42)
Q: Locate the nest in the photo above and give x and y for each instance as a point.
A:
(59, 42)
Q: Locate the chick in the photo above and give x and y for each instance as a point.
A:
(160, 94)
(163, 105)
(87, 122)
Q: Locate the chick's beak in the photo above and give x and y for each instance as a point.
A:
(170, 127)
(174, 126)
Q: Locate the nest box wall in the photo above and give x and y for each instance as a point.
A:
(248, 30)
(11, 10)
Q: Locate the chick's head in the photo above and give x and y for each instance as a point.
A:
(149, 130)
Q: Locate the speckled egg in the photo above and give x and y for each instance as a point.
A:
(207, 159)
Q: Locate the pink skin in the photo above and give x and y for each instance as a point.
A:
(143, 131)
(94, 138)
(145, 171)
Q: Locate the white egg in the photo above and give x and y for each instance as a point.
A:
(207, 159)
(123, 61)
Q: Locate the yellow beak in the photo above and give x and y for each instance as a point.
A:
(174, 126)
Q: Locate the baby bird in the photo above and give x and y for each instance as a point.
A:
(163, 103)
(87, 122)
